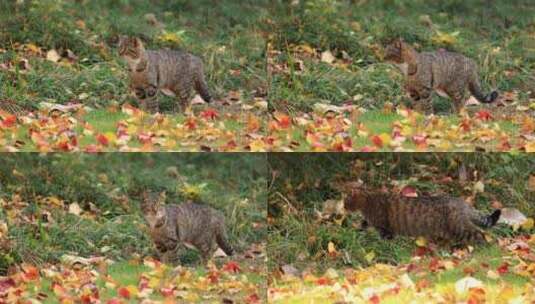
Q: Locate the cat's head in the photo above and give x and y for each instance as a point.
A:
(394, 51)
(153, 208)
(132, 50)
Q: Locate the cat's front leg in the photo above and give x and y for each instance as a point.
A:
(425, 102)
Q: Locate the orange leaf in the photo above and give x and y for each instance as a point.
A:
(9, 121)
(31, 273)
(284, 121)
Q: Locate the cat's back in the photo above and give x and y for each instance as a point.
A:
(192, 212)
(427, 215)
(448, 66)
(168, 57)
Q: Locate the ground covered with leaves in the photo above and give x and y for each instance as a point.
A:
(64, 88)
(501, 273)
(71, 229)
(319, 252)
(331, 90)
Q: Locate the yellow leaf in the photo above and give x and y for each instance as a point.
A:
(3, 230)
(531, 183)
(421, 241)
(331, 248)
(370, 256)
(530, 147)
(175, 37)
(445, 38)
(386, 138)
(133, 290)
(528, 224)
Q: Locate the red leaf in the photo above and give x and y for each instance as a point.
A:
(232, 267)
(9, 121)
(144, 138)
(483, 115)
(376, 140)
(420, 251)
(6, 283)
(167, 292)
(368, 149)
(123, 292)
(103, 140)
(409, 191)
(253, 299)
(503, 269)
(209, 114)
(419, 139)
(114, 301)
(375, 299)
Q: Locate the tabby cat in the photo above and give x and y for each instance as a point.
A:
(448, 74)
(442, 218)
(188, 224)
(172, 72)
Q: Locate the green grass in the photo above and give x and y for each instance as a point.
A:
(228, 36)
(498, 35)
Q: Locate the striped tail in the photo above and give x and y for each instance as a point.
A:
(475, 89)
(490, 220)
(222, 242)
(202, 88)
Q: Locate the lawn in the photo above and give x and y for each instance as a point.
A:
(321, 253)
(71, 228)
(328, 79)
(55, 53)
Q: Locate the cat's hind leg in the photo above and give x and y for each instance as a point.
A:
(183, 93)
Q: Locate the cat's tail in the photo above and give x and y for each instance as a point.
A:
(475, 89)
(489, 220)
(223, 243)
(202, 88)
